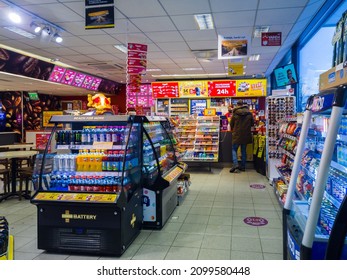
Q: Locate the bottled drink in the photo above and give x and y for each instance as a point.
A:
(108, 134)
(78, 137)
(115, 135)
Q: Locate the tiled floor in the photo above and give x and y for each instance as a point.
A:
(208, 224)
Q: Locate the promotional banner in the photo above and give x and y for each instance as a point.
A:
(221, 88)
(165, 90)
(271, 39)
(251, 88)
(232, 47)
(193, 89)
(235, 69)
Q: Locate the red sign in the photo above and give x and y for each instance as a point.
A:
(271, 39)
(137, 62)
(136, 70)
(255, 221)
(137, 55)
(221, 88)
(137, 47)
(42, 141)
(162, 90)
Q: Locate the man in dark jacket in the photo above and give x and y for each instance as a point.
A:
(241, 124)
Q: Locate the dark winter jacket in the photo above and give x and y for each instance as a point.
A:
(240, 124)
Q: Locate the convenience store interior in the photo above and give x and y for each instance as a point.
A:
(210, 223)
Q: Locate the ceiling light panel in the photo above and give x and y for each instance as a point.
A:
(254, 57)
(20, 31)
(204, 21)
(121, 48)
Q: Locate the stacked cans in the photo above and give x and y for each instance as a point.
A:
(4, 233)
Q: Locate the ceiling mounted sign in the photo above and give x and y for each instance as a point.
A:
(98, 2)
(99, 17)
(269, 39)
(235, 68)
(232, 47)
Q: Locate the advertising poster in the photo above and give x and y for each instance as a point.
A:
(57, 74)
(165, 90)
(87, 82)
(269, 39)
(232, 47)
(285, 75)
(225, 88)
(98, 2)
(99, 17)
(251, 88)
(68, 77)
(41, 141)
(235, 69)
(46, 116)
(79, 78)
(193, 89)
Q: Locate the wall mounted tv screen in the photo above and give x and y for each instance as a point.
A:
(285, 75)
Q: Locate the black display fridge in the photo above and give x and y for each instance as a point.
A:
(161, 172)
(89, 193)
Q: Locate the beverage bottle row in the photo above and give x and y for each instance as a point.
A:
(342, 154)
(64, 163)
(90, 134)
(88, 183)
(343, 126)
(4, 235)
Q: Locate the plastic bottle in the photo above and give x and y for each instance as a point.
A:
(115, 135)
(108, 134)
(102, 134)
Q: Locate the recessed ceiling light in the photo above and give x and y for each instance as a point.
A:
(153, 70)
(14, 17)
(204, 21)
(57, 38)
(122, 48)
(20, 31)
(192, 69)
(254, 57)
(260, 29)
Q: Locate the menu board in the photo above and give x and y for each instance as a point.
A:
(164, 90)
(95, 84)
(79, 78)
(222, 88)
(87, 82)
(57, 74)
(193, 89)
(68, 77)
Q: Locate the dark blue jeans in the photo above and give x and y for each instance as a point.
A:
(243, 154)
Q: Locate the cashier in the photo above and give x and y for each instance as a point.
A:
(229, 114)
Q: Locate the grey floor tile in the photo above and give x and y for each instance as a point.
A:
(141, 238)
(219, 211)
(182, 209)
(161, 238)
(182, 253)
(196, 219)
(193, 228)
(273, 233)
(188, 240)
(269, 256)
(200, 210)
(20, 241)
(127, 255)
(213, 254)
(241, 255)
(220, 220)
(238, 205)
(30, 247)
(82, 258)
(245, 244)
(51, 256)
(218, 230)
(151, 252)
(243, 213)
(203, 203)
(266, 214)
(223, 204)
(216, 242)
(245, 231)
(173, 227)
(272, 245)
(177, 218)
(25, 255)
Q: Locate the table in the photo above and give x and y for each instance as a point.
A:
(14, 155)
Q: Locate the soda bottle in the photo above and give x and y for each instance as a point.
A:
(115, 135)
(108, 134)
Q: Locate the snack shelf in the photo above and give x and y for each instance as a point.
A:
(291, 137)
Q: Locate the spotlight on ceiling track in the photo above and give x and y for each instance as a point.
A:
(57, 38)
(36, 27)
(15, 17)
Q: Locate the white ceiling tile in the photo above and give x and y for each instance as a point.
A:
(203, 45)
(151, 55)
(181, 54)
(78, 58)
(182, 7)
(78, 28)
(173, 46)
(167, 36)
(234, 5)
(185, 61)
(122, 26)
(77, 6)
(246, 31)
(99, 39)
(269, 49)
(87, 50)
(102, 57)
(278, 16)
(17, 44)
(271, 4)
(185, 22)
(234, 19)
(199, 35)
(74, 42)
(153, 24)
(62, 51)
(140, 8)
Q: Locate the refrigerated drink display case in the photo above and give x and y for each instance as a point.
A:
(317, 185)
(161, 172)
(89, 193)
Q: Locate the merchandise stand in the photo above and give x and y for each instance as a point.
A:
(161, 173)
(91, 211)
(302, 239)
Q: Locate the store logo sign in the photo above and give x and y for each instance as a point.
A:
(331, 77)
(68, 216)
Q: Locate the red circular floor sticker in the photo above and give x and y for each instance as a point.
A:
(255, 221)
(257, 186)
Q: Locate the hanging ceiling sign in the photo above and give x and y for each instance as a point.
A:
(98, 2)
(232, 47)
(164, 90)
(269, 39)
(221, 88)
(193, 89)
(235, 69)
(99, 17)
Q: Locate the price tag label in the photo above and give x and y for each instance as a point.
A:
(103, 145)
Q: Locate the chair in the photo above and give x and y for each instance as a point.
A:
(5, 173)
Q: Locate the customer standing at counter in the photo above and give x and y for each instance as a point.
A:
(241, 124)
